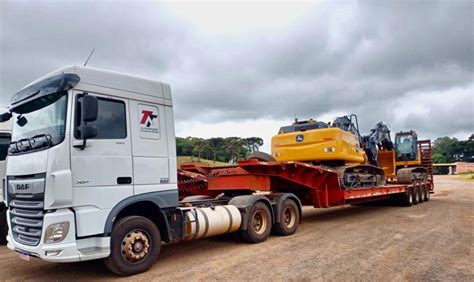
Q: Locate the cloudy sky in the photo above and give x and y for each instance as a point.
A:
(245, 69)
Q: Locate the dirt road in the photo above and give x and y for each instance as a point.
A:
(430, 241)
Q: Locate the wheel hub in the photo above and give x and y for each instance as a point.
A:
(259, 222)
(290, 217)
(135, 246)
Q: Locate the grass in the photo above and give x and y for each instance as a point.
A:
(194, 160)
(467, 176)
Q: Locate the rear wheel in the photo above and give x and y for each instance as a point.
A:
(428, 195)
(415, 194)
(289, 219)
(3, 225)
(421, 195)
(135, 246)
(406, 199)
(259, 224)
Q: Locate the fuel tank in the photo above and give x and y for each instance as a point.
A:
(211, 221)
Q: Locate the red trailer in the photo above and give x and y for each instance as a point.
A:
(314, 185)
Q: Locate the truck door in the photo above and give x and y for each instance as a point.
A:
(101, 172)
(150, 125)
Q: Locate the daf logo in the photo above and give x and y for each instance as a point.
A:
(299, 138)
(22, 187)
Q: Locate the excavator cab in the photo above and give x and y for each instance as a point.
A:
(406, 147)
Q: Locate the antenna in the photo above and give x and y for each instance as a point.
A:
(90, 55)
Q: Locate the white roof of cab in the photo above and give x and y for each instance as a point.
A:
(116, 80)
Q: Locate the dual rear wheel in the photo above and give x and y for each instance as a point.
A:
(259, 221)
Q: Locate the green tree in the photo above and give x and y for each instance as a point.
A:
(253, 143)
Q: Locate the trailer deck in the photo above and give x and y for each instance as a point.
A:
(314, 185)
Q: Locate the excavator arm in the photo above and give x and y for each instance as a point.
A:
(377, 139)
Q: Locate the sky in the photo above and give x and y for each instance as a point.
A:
(247, 68)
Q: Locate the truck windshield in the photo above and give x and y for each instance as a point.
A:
(44, 127)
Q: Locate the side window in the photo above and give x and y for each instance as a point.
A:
(111, 121)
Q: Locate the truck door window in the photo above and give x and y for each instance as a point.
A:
(111, 121)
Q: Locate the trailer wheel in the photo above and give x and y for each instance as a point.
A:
(289, 219)
(406, 199)
(259, 224)
(416, 192)
(427, 194)
(135, 246)
(421, 195)
(3, 225)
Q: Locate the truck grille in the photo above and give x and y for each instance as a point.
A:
(25, 199)
(26, 221)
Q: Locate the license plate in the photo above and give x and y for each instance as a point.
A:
(24, 256)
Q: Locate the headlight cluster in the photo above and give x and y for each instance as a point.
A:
(57, 232)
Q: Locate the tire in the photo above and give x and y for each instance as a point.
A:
(261, 156)
(406, 199)
(125, 260)
(289, 219)
(259, 224)
(428, 194)
(416, 191)
(3, 225)
(421, 195)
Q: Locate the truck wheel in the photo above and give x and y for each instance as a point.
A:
(427, 195)
(135, 246)
(289, 219)
(259, 224)
(421, 195)
(406, 199)
(3, 226)
(416, 191)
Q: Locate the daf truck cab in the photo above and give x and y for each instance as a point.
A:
(92, 174)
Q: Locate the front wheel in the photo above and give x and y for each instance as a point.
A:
(289, 219)
(135, 246)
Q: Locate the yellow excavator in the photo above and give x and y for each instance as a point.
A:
(361, 161)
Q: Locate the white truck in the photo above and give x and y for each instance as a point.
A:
(5, 137)
(91, 174)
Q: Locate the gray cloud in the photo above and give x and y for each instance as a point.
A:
(363, 57)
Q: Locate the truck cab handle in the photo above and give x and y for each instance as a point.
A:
(124, 180)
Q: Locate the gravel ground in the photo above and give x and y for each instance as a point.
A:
(431, 241)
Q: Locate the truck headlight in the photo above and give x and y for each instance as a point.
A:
(55, 233)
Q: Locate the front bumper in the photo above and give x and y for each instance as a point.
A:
(68, 250)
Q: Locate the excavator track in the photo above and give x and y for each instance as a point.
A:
(360, 176)
(409, 175)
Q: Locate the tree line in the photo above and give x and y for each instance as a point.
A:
(229, 149)
(449, 150)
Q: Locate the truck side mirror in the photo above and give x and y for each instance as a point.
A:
(5, 117)
(90, 108)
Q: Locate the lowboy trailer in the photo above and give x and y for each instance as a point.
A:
(313, 185)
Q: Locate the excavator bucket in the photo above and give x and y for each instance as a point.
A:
(386, 161)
